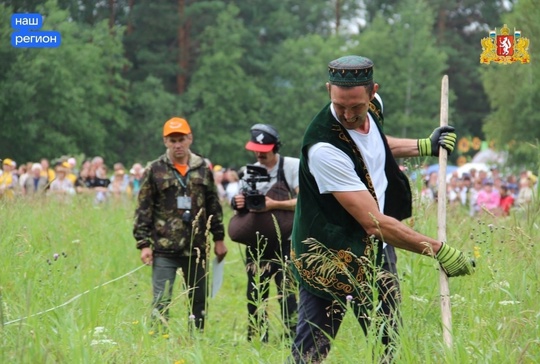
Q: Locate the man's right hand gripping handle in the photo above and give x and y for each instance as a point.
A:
(454, 262)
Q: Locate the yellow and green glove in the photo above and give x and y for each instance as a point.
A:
(443, 136)
(454, 262)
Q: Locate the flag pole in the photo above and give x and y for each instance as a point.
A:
(444, 288)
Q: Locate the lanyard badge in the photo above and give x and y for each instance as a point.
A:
(183, 202)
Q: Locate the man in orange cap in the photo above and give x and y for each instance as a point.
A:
(177, 204)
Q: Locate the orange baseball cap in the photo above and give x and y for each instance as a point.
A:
(176, 125)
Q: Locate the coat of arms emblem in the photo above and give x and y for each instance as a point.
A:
(504, 47)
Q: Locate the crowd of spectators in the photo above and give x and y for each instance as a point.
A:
(64, 177)
(484, 191)
(479, 191)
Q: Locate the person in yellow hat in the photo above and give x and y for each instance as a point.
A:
(8, 180)
(46, 170)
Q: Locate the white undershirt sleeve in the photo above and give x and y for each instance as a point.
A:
(332, 169)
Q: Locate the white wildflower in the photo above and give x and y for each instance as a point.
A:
(103, 341)
(506, 303)
(98, 330)
(419, 299)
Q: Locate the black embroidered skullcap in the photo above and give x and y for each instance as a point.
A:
(350, 71)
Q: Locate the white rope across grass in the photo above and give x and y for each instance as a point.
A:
(74, 298)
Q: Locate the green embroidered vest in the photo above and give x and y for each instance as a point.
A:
(332, 255)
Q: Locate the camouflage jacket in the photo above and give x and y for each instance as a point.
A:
(158, 220)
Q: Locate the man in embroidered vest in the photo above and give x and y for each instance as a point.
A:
(347, 219)
(267, 256)
(177, 206)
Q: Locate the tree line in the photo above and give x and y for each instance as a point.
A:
(126, 66)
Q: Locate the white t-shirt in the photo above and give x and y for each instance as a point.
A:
(334, 171)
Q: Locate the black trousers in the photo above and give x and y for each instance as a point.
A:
(261, 269)
(319, 319)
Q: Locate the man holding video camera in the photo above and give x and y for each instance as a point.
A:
(263, 221)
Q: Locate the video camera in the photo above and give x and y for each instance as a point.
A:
(254, 199)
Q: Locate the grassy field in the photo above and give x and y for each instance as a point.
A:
(73, 290)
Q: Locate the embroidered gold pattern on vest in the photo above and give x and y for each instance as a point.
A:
(333, 270)
(375, 110)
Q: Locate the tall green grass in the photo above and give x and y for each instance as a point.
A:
(496, 312)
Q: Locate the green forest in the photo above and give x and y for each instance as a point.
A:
(126, 66)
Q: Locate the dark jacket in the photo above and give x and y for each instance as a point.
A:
(158, 221)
